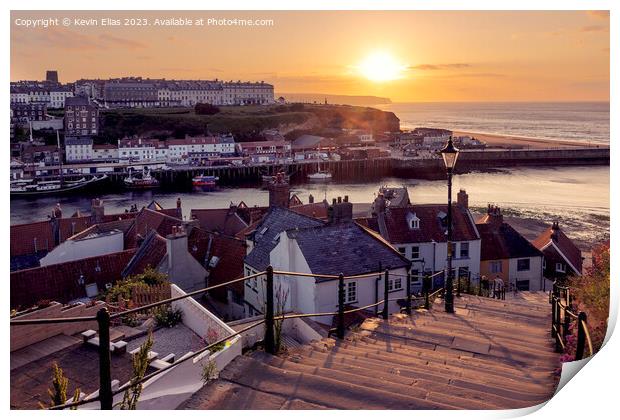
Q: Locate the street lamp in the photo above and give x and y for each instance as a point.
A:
(450, 154)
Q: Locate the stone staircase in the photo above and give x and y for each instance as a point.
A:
(490, 354)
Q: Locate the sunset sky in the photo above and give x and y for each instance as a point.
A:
(404, 55)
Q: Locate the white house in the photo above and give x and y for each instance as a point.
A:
(296, 243)
(78, 149)
(508, 255)
(419, 233)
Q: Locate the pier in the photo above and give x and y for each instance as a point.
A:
(180, 177)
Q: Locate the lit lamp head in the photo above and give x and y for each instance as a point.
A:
(450, 154)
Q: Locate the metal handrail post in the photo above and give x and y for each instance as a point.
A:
(105, 375)
(340, 331)
(270, 345)
(558, 346)
(581, 335)
(408, 307)
(386, 294)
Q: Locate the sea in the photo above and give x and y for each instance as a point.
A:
(586, 122)
(576, 195)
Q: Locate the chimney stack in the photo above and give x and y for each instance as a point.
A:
(555, 227)
(340, 211)
(495, 215)
(279, 191)
(179, 209)
(97, 210)
(462, 199)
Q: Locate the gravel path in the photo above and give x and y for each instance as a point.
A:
(178, 340)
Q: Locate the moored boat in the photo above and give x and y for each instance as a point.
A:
(53, 186)
(204, 181)
(141, 181)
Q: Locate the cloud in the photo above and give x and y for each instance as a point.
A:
(594, 28)
(440, 66)
(121, 42)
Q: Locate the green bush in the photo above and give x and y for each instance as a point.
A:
(149, 277)
(168, 317)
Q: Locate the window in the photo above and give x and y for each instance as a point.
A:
(350, 295)
(415, 252)
(394, 283)
(464, 249)
(402, 250)
(544, 264)
(523, 264)
(495, 266)
(560, 268)
(416, 279)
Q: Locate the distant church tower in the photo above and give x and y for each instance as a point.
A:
(51, 76)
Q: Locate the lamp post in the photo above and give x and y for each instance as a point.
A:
(450, 154)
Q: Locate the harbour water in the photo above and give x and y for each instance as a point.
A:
(586, 122)
(579, 196)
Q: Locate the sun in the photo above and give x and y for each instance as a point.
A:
(381, 67)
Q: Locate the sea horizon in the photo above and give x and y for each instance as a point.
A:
(581, 121)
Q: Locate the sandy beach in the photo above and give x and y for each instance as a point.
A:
(508, 141)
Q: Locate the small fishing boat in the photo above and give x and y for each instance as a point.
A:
(141, 181)
(204, 182)
(321, 175)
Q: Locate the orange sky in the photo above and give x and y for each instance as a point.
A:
(446, 56)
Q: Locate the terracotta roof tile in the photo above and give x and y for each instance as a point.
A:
(230, 251)
(60, 281)
(226, 221)
(396, 228)
(564, 244)
(502, 241)
(30, 238)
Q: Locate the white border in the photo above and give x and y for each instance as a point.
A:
(591, 394)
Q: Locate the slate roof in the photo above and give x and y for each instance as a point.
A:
(395, 226)
(563, 243)
(346, 248)
(276, 221)
(502, 241)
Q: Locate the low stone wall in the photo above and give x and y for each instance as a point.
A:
(24, 335)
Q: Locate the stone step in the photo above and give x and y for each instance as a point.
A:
(450, 371)
(537, 347)
(318, 390)
(495, 348)
(541, 343)
(447, 357)
(459, 398)
(223, 395)
(421, 375)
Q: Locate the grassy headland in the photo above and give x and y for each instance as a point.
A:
(244, 122)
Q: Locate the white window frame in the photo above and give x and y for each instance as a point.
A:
(350, 292)
(560, 267)
(415, 252)
(394, 283)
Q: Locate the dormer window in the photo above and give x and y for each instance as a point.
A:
(413, 221)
